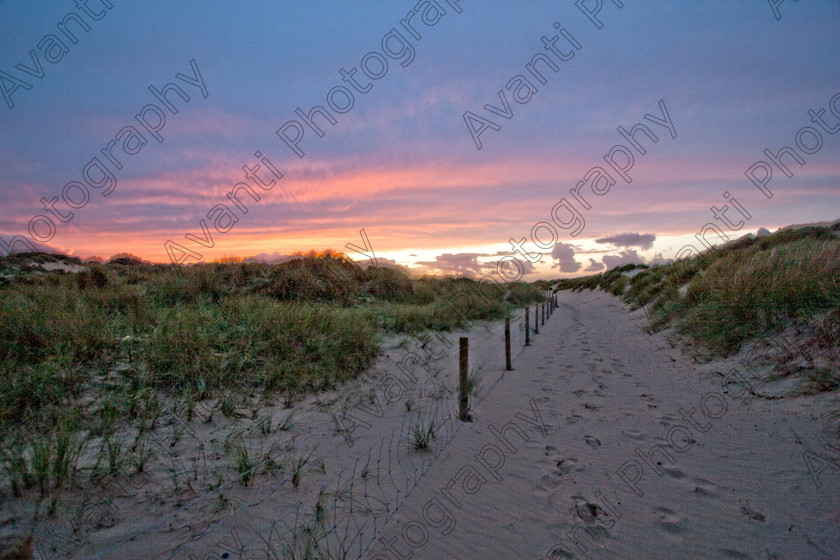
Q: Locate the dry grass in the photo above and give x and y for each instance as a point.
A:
(744, 289)
(87, 356)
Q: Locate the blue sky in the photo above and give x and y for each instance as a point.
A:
(401, 163)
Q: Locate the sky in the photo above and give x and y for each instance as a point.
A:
(501, 138)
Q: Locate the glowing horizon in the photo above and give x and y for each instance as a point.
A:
(194, 149)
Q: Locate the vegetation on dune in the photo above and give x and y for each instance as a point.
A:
(83, 351)
(750, 287)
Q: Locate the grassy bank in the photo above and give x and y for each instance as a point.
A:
(86, 348)
(752, 287)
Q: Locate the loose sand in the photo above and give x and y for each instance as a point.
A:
(739, 488)
(558, 462)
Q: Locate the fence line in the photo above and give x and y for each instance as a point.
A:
(342, 518)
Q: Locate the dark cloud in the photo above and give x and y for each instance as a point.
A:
(466, 264)
(458, 263)
(658, 259)
(629, 256)
(594, 266)
(30, 245)
(564, 257)
(641, 240)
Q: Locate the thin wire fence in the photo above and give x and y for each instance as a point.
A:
(342, 515)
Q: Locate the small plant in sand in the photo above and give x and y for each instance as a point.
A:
(341, 430)
(263, 424)
(227, 406)
(366, 470)
(269, 459)
(222, 504)
(286, 424)
(116, 455)
(441, 393)
(47, 459)
(473, 381)
(421, 436)
(141, 453)
(300, 463)
(313, 536)
(240, 455)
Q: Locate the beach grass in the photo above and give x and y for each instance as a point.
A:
(84, 354)
(747, 288)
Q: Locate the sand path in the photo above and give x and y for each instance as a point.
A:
(594, 396)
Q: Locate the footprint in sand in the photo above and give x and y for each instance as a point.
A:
(705, 487)
(669, 520)
(648, 398)
(753, 515)
(589, 512)
(591, 406)
(561, 553)
(554, 479)
(673, 472)
(592, 442)
(551, 481)
(635, 435)
(573, 418)
(567, 465)
(669, 420)
(730, 554)
(578, 393)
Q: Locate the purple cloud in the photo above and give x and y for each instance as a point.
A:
(466, 264)
(641, 240)
(625, 257)
(564, 257)
(594, 266)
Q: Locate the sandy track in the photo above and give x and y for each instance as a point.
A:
(733, 480)
(603, 442)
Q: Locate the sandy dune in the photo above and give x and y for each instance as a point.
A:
(604, 442)
(733, 478)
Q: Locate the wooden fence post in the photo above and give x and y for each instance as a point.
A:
(463, 408)
(508, 366)
(527, 326)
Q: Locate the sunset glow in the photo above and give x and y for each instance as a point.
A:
(125, 163)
